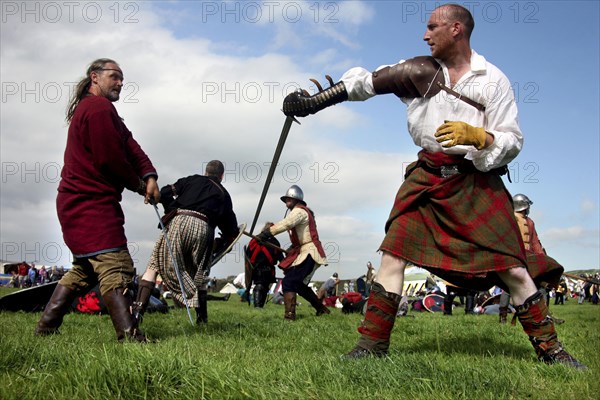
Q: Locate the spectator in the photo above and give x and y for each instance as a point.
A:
(22, 271)
(328, 288)
(43, 275)
(561, 291)
(32, 275)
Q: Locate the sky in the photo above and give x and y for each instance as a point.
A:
(206, 80)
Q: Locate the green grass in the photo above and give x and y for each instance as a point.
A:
(245, 353)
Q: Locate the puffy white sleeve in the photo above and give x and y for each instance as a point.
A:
(501, 120)
(359, 84)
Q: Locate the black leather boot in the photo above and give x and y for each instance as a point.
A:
(470, 304)
(503, 311)
(202, 309)
(448, 300)
(314, 301)
(259, 296)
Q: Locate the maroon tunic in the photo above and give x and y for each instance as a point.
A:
(101, 159)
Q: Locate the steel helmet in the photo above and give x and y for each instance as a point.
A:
(294, 192)
(521, 202)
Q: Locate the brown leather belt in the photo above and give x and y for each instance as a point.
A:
(193, 214)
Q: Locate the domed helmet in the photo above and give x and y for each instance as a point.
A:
(521, 203)
(294, 192)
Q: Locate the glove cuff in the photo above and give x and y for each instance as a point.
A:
(480, 135)
(298, 104)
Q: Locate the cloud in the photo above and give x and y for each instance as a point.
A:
(575, 235)
(588, 207)
(297, 21)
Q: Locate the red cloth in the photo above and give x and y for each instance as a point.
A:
(101, 159)
(354, 297)
(22, 269)
(330, 301)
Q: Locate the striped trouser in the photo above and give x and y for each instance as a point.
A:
(189, 238)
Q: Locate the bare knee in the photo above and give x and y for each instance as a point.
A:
(391, 273)
(519, 282)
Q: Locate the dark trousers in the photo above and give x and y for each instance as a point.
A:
(294, 276)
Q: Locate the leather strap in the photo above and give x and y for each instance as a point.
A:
(459, 96)
(193, 214)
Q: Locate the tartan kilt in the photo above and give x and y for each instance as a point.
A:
(190, 239)
(460, 228)
(545, 270)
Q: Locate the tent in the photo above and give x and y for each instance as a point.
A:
(228, 288)
(415, 280)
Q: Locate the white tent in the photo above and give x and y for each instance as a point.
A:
(228, 288)
(415, 279)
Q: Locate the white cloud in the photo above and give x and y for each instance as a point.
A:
(588, 207)
(577, 235)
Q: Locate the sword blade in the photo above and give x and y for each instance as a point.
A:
(282, 138)
(177, 272)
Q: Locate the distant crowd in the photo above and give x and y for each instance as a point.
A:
(27, 275)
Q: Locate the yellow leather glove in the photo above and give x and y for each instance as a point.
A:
(458, 132)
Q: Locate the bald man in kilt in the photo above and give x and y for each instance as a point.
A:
(453, 214)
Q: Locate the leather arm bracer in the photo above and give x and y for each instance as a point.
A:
(301, 104)
(417, 77)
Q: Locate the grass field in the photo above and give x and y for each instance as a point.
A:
(245, 353)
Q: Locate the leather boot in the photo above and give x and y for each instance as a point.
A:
(377, 325)
(470, 304)
(448, 300)
(141, 301)
(259, 296)
(503, 311)
(289, 301)
(55, 310)
(119, 307)
(314, 301)
(202, 309)
(534, 318)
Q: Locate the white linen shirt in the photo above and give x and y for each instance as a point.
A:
(485, 84)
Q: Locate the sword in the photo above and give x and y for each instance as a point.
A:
(164, 231)
(282, 138)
